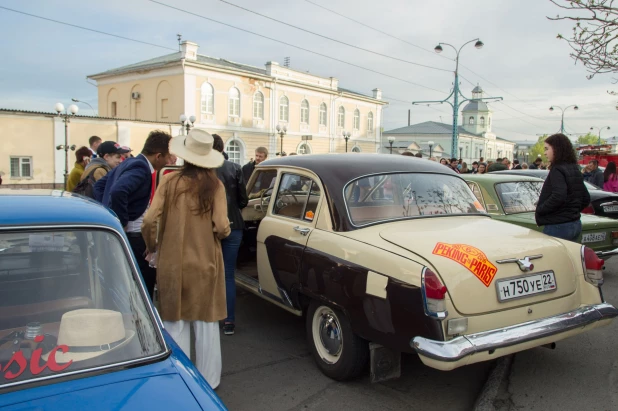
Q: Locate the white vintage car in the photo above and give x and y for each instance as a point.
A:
(395, 254)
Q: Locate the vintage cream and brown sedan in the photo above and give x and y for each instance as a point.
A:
(397, 252)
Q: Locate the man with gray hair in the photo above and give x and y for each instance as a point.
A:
(261, 154)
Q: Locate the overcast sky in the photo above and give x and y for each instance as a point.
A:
(522, 60)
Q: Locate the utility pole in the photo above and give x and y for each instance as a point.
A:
(456, 93)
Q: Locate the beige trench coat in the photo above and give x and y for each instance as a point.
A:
(190, 273)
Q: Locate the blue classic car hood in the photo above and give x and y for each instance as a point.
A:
(164, 392)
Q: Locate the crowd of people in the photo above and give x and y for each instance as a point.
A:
(481, 166)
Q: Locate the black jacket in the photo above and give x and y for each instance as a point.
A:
(563, 196)
(231, 175)
(247, 170)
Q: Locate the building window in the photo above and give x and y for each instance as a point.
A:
(234, 107)
(21, 167)
(489, 121)
(304, 148)
(284, 109)
(370, 122)
(258, 105)
(341, 117)
(356, 119)
(164, 108)
(208, 99)
(113, 110)
(356, 149)
(323, 116)
(304, 112)
(234, 151)
(471, 121)
(482, 120)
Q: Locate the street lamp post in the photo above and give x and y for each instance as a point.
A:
(281, 131)
(391, 140)
(456, 93)
(346, 135)
(460, 150)
(527, 154)
(574, 106)
(431, 143)
(83, 102)
(66, 115)
(186, 125)
(600, 129)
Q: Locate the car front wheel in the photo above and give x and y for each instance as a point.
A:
(338, 352)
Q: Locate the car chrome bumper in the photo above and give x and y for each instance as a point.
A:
(461, 347)
(609, 253)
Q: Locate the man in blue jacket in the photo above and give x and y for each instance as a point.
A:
(127, 190)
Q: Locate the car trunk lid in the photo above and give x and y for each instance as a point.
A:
(465, 252)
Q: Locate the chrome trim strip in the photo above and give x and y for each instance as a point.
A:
(438, 316)
(149, 305)
(611, 203)
(466, 345)
(607, 253)
(514, 260)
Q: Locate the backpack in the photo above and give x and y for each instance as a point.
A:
(85, 187)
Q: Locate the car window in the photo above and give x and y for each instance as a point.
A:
(520, 196)
(69, 301)
(403, 195)
(264, 180)
(476, 190)
(297, 197)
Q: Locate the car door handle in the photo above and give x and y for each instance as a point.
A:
(302, 230)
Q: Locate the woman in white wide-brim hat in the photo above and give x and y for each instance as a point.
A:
(185, 225)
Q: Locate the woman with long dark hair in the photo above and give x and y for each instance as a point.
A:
(610, 179)
(185, 225)
(564, 194)
(482, 168)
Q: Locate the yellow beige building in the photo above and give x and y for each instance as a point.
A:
(241, 103)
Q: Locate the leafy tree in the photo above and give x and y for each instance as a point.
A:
(589, 139)
(538, 148)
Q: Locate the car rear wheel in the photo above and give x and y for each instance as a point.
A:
(339, 353)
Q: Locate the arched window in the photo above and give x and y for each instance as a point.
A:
(234, 151)
(356, 149)
(234, 107)
(356, 119)
(341, 117)
(208, 98)
(304, 112)
(471, 121)
(323, 116)
(304, 148)
(258, 105)
(284, 109)
(482, 121)
(370, 122)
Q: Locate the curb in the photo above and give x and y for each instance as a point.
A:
(491, 389)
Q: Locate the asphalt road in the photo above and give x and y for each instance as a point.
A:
(267, 366)
(580, 374)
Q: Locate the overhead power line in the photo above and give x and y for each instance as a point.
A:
(292, 45)
(334, 40)
(88, 29)
(411, 44)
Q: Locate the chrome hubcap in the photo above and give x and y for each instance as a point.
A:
(330, 333)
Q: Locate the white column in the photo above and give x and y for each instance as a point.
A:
(59, 159)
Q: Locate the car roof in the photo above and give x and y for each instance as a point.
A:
(499, 177)
(533, 173)
(20, 208)
(337, 170)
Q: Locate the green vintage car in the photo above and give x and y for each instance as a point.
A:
(513, 198)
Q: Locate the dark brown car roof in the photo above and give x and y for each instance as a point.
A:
(337, 170)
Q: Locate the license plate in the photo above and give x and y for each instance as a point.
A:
(593, 237)
(610, 209)
(519, 287)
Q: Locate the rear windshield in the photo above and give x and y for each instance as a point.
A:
(69, 302)
(387, 197)
(520, 196)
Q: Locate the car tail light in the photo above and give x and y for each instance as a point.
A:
(434, 294)
(588, 210)
(593, 266)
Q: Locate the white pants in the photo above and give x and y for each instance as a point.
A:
(207, 346)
